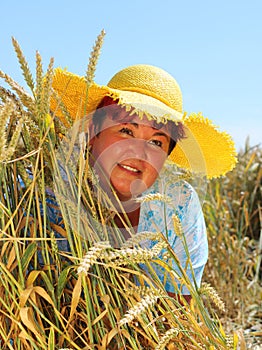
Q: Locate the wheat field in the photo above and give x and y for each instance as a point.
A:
(86, 296)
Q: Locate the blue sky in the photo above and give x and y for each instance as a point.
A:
(212, 48)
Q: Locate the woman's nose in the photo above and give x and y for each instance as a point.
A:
(137, 148)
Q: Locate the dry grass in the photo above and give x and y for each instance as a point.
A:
(233, 214)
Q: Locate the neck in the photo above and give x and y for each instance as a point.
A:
(130, 219)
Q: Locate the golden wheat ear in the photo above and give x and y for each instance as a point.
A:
(24, 65)
(91, 68)
(93, 59)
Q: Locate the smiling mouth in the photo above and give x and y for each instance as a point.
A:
(129, 168)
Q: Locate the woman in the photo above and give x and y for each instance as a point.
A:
(138, 137)
(129, 151)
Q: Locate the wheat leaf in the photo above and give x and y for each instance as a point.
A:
(75, 298)
(62, 280)
(27, 318)
(51, 339)
(28, 255)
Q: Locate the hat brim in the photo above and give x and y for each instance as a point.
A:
(206, 150)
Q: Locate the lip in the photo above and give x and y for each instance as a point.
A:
(131, 169)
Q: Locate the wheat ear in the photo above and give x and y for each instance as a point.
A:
(206, 289)
(24, 65)
(25, 98)
(145, 303)
(95, 53)
(166, 338)
(5, 113)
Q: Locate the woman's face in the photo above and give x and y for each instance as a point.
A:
(129, 154)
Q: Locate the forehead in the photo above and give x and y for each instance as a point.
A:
(117, 115)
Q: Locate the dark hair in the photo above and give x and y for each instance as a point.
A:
(177, 131)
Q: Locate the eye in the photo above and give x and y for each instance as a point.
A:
(127, 131)
(157, 143)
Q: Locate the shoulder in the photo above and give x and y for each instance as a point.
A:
(176, 195)
(174, 185)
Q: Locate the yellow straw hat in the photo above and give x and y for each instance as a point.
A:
(151, 91)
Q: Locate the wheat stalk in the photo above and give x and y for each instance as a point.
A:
(68, 120)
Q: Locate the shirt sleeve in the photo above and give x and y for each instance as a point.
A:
(191, 245)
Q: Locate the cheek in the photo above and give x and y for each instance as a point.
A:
(156, 160)
(105, 154)
(152, 174)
